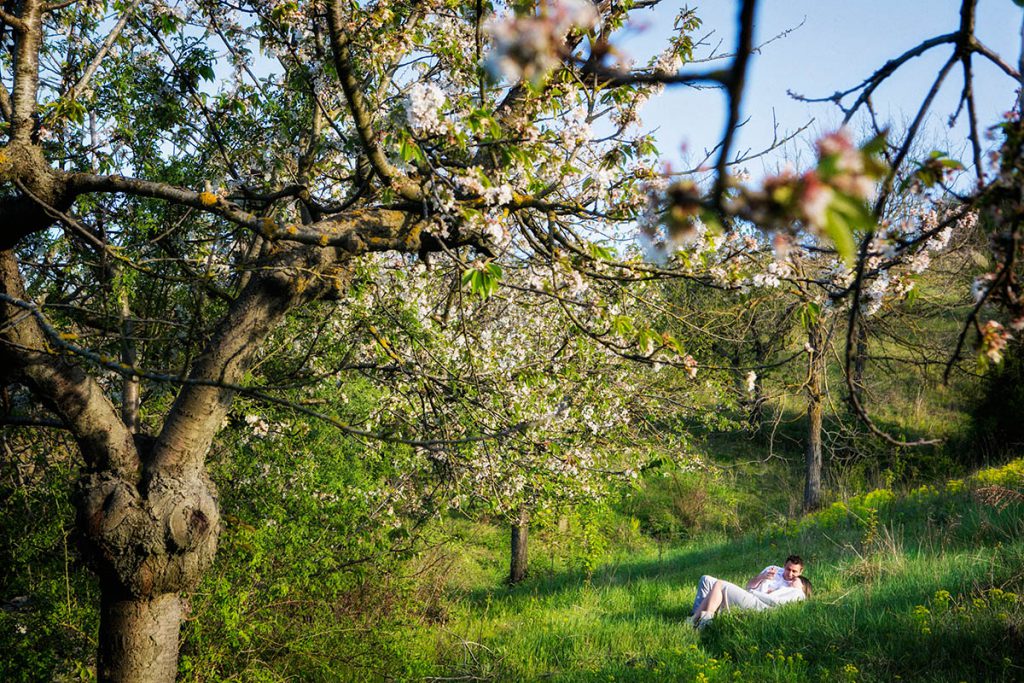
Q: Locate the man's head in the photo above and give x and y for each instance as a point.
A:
(793, 569)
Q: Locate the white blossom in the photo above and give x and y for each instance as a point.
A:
(423, 107)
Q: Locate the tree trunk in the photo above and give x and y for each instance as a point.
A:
(815, 390)
(147, 513)
(129, 356)
(860, 357)
(147, 549)
(517, 569)
(138, 638)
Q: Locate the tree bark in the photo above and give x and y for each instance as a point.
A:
(517, 568)
(815, 391)
(144, 646)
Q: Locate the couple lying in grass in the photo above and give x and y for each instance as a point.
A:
(772, 587)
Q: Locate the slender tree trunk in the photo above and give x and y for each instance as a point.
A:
(129, 383)
(145, 643)
(860, 360)
(517, 569)
(756, 415)
(815, 391)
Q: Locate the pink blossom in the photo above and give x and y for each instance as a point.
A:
(993, 340)
(815, 198)
(835, 143)
(531, 47)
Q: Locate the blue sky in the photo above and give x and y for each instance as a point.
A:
(838, 44)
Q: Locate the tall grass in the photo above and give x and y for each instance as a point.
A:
(925, 587)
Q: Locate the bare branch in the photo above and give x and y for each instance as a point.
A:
(735, 85)
(256, 393)
(79, 87)
(14, 22)
(987, 53)
(26, 421)
(869, 84)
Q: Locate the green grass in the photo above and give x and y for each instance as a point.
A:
(924, 586)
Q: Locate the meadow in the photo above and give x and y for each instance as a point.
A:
(925, 585)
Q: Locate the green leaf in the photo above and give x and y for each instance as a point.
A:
(839, 230)
(712, 222)
(483, 282)
(408, 150)
(601, 253)
(622, 325)
(875, 145)
(808, 314)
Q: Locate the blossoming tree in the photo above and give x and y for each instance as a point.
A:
(177, 179)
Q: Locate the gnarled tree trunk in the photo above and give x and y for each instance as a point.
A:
(148, 548)
(147, 513)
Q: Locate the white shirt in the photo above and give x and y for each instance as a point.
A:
(779, 596)
(777, 583)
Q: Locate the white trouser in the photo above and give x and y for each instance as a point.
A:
(732, 595)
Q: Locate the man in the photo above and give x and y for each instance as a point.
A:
(771, 579)
(773, 586)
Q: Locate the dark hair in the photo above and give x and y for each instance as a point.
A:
(807, 586)
(795, 559)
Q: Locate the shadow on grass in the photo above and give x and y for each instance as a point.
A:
(732, 560)
(879, 626)
(890, 629)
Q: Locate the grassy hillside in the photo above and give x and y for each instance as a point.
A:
(926, 586)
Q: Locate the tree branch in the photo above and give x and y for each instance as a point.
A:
(357, 106)
(66, 389)
(90, 70)
(27, 42)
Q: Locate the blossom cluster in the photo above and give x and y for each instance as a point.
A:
(423, 108)
(530, 47)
